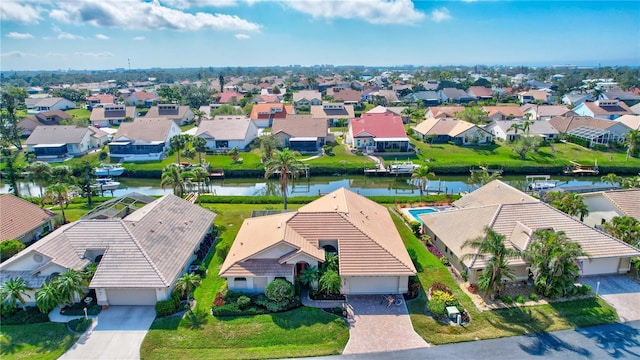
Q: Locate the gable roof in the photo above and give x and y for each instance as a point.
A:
(546, 110)
(345, 95)
(270, 110)
(18, 216)
(227, 96)
(48, 102)
(566, 124)
(495, 192)
(145, 129)
(600, 107)
(367, 238)
(539, 127)
(632, 121)
(224, 127)
(455, 93)
(378, 125)
(102, 98)
(112, 112)
(307, 95)
(536, 94)
(504, 110)
(167, 111)
(301, 126)
(57, 134)
(628, 201)
(147, 249)
(448, 111)
(444, 126)
(143, 95)
(480, 91)
(50, 117)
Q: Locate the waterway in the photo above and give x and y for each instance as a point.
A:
(364, 185)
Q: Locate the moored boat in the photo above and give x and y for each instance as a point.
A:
(110, 170)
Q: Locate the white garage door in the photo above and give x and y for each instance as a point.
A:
(373, 285)
(600, 266)
(131, 296)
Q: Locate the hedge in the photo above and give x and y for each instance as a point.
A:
(19, 317)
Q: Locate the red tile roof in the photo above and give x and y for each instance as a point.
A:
(20, 216)
(270, 110)
(228, 96)
(102, 98)
(379, 125)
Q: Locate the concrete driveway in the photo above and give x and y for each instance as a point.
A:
(117, 333)
(619, 291)
(376, 327)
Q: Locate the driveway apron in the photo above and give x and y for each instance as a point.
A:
(619, 291)
(116, 333)
(375, 326)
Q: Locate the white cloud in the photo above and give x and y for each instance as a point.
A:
(372, 11)
(17, 35)
(441, 14)
(139, 38)
(96, 54)
(185, 4)
(11, 10)
(61, 35)
(242, 36)
(102, 37)
(146, 15)
(14, 54)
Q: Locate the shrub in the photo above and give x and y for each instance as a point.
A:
(9, 248)
(465, 276)
(243, 302)
(447, 298)
(533, 297)
(438, 286)
(165, 307)
(222, 250)
(219, 300)
(507, 299)
(416, 227)
(520, 299)
(414, 259)
(584, 289)
(444, 260)
(437, 308)
(79, 325)
(280, 291)
(31, 316)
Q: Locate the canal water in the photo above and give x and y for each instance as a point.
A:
(364, 185)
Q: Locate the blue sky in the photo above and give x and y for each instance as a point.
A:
(98, 34)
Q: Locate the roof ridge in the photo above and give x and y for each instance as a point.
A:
(491, 223)
(144, 253)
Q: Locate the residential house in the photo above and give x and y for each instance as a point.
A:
(603, 109)
(442, 111)
(443, 130)
(495, 113)
(180, 114)
(98, 137)
(480, 93)
(226, 132)
(503, 129)
(595, 131)
(142, 98)
(112, 114)
(268, 98)
(635, 109)
(531, 96)
(45, 118)
(141, 255)
(378, 133)
(332, 112)
(302, 132)
(23, 220)
(395, 110)
(99, 99)
(228, 97)
(263, 114)
(346, 96)
(384, 97)
(605, 205)
(304, 99)
(632, 121)
(544, 112)
(282, 245)
(455, 96)
(53, 103)
(143, 139)
(425, 98)
(32, 100)
(576, 99)
(621, 95)
(57, 142)
(516, 216)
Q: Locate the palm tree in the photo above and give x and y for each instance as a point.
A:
(525, 126)
(611, 179)
(330, 282)
(515, 127)
(285, 163)
(482, 177)
(60, 193)
(188, 282)
(61, 173)
(172, 176)
(571, 204)
(198, 115)
(309, 276)
(69, 285)
(200, 146)
(632, 142)
(47, 298)
(178, 143)
(492, 247)
(268, 144)
(40, 173)
(14, 291)
(421, 177)
(554, 262)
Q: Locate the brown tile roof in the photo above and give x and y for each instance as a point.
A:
(620, 109)
(102, 98)
(446, 111)
(566, 124)
(301, 126)
(51, 117)
(480, 91)
(349, 95)
(18, 217)
(537, 94)
(145, 129)
(175, 112)
(628, 201)
(57, 134)
(443, 126)
(495, 192)
(504, 110)
(317, 111)
(547, 110)
(112, 112)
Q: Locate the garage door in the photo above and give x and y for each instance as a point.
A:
(131, 296)
(373, 285)
(600, 266)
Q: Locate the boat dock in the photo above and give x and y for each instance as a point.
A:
(577, 169)
(397, 168)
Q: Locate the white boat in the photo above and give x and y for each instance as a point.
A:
(403, 168)
(542, 185)
(109, 170)
(105, 184)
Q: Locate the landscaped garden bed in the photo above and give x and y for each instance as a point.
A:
(279, 296)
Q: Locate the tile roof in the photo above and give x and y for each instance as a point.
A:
(48, 102)
(480, 91)
(270, 110)
(345, 111)
(18, 217)
(443, 126)
(227, 96)
(102, 98)
(307, 95)
(175, 112)
(112, 112)
(224, 127)
(345, 95)
(566, 124)
(379, 125)
(546, 110)
(301, 126)
(57, 134)
(504, 110)
(628, 201)
(536, 94)
(619, 109)
(454, 93)
(495, 192)
(632, 121)
(145, 129)
(448, 111)
(143, 95)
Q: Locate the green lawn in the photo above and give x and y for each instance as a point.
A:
(341, 158)
(35, 341)
(82, 114)
(498, 323)
(300, 332)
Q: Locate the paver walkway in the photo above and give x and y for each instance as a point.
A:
(619, 291)
(376, 327)
(322, 304)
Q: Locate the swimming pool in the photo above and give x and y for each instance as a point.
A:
(415, 212)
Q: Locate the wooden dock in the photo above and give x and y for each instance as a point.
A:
(577, 169)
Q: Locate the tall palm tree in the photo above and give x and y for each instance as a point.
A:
(61, 173)
(515, 127)
(632, 142)
(178, 143)
(284, 163)
(40, 172)
(172, 176)
(47, 298)
(14, 291)
(186, 283)
(60, 193)
(69, 285)
(200, 146)
(611, 179)
(421, 177)
(482, 177)
(201, 175)
(491, 247)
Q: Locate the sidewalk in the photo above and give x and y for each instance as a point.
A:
(56, 317)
